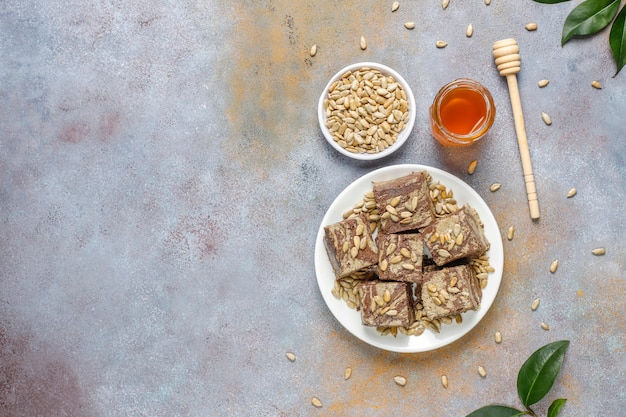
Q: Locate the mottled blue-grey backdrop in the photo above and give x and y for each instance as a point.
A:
(163, 178)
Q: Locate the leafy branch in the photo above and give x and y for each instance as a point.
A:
(534, 381)
(590, 17)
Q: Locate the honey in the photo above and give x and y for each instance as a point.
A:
(462, 112)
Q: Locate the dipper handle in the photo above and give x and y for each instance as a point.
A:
(507, 57)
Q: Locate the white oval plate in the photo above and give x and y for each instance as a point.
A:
(351, 319)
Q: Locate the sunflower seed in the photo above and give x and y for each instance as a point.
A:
(444, 4)
(482, 372)
(494, 187)
(363, 43)
(387, 296)
(510, 233)
(444, 381)
(598, 251)
(313, 50)
(441, 44)
(291, 356)
(405, 252)
(571, 193)
(596, 84)
(379, 300)
(471, 168)
(409, 25)
(395, 6)
(391, 210)
(546, 118)
(531, 26)
(347, 373)
(469, 31)
(487, 2)
(316, 402)
(545, 326)
(383, 265)
(396, 259)
(535, 305)
(553, 266)
(400, 380)
(497, 337)
(543, 83)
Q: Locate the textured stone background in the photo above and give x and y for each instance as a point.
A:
(163, 178)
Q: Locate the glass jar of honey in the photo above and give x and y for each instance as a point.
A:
(462, 112)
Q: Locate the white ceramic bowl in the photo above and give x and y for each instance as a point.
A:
(402, 136)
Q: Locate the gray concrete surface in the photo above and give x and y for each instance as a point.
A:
(163, 178)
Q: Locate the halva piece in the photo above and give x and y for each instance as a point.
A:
(450, 291)
(458, 235)
(386, 303)
(400, 256)
(350, 246)
(404, 203)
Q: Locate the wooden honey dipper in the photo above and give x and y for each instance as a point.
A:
(506, 54)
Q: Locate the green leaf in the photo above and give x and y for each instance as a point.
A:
(550, 1)
(617, 39)
(496, 411)
(589, 17)
(555, 407)
(538, 373)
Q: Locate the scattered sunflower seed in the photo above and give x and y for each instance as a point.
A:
(444, 381)
(441, 44)
(571, 193)
(543, 83)
(395, 6)
(482, 372)
(313, 50)
(596, 84)
(316, 402)
(471, 168)
(535, 305)
(445, 3)
(598, 251)
(531, 26)
(510, 233)
(400, 380)
(347, 373)
(363, 43)
(487, 2)
(469, 31)
(546, 118)
(409, 25)
(554, 266)
(545, 326)
(494, 187)
(497, 337)
(291, 356)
